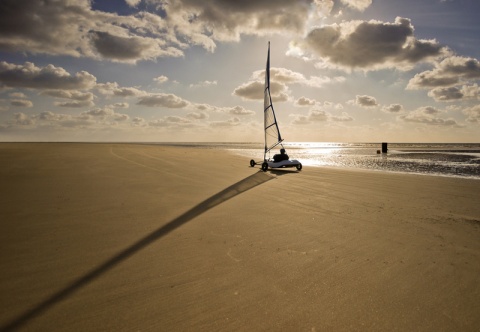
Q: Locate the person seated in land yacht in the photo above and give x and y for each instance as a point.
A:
(280, 157)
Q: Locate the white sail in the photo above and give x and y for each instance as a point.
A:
(272, 133)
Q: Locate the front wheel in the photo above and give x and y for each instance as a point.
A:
(252, 163)
(264, 167)
(299, 167)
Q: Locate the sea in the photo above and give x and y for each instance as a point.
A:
(460, 160)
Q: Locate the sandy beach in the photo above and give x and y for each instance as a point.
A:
(131, 237)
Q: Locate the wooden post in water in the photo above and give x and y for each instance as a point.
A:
(384, 147)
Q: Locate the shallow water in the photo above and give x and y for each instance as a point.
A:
(458, 160)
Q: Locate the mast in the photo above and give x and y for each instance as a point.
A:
(272, 132)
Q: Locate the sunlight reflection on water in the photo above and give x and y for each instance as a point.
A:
(461, 160)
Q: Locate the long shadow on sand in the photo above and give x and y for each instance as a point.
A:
(224, 195)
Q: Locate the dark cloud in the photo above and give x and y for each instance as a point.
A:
(21, 103)
(446, 94)
(393, 108)
(48, 77)
(365, 101)
(370, 45)
(72, 28)
(123, 48)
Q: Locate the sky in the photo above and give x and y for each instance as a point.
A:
(193, 71)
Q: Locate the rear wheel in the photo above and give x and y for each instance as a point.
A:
(252, 163)
(299, 167)
(264, 167)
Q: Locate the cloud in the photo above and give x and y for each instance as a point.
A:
(369, 45)
(73, 28)
(197, 115)
(18, 95)
(77, 99)
(428, 116)
(304, 101)
(163, 100)
(128, 48)
(113, 89)
(279, 80)
(119, 105)
(229, 123)
(287, 76)
(160, 79)
(21, 103)
(22, 119)
(120, 117)
(446, 94)
(203, 84)
(48, 77)
(100, 112)
(473, 114)
(360, 5)
(365, 101)
(239, 110)
(72, 94)
(254, 90)
(133, 3)
(393, 108)
(449, 72)
(204, 22)
(319, 115)
(344, 117)
(74, 103)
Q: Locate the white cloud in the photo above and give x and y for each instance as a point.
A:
(22, 119)
(113, 89)
(133, 3)
(203, 84)
(254, 90)
(304, 101)
(239, 110)
(473, 114)
(163, 100)
(428, 116)
(320, 115)
(197, 115)
(18, 95)
(161, 79)
(21, 103)
(228, 123)
(358, 4)
(449, 72)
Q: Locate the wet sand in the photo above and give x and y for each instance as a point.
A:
(124, 237)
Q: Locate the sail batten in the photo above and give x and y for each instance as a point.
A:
(272, 133)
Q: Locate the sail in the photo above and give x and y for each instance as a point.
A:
(272, 133)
